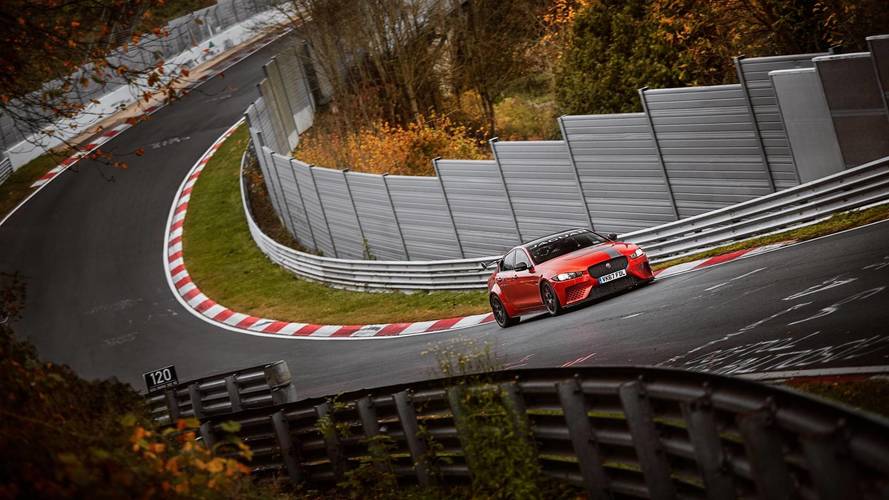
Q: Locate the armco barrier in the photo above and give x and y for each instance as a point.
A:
(804, 203)
(230, 392)
(618, 431)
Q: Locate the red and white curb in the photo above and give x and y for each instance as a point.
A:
(719, 259)
(85, 150)
(207, 309)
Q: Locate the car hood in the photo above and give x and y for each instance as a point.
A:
(585, 257)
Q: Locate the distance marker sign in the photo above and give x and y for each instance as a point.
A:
(162, 377)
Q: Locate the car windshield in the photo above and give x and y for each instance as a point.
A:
(562, 244)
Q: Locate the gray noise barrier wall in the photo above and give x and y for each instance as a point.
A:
(807, 123)
(376, 216)
(623, 184)
(879, 51)
(856, 106)
(542, 186)
(753, 73)
(316, 214)
(709, 146)
(340, 213)
(423, 217)
(479, 205)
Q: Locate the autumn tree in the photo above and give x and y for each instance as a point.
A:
(490, 44)
(615, 47)
(59, 55)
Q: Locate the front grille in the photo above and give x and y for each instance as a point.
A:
(601, 269)
(618, 285)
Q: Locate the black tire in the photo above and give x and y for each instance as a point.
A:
(500, 315)
(550, 300)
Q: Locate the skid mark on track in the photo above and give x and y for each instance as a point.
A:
(519, 363)
(877, 266)
(826, 285)
(836, 307)
(736, 278)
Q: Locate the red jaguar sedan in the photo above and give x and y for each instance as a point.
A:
(563, 270)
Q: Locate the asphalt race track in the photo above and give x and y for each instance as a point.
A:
(90, 247)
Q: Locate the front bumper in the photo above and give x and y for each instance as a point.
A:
(586, 288)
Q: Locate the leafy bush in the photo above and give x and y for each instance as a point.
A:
(381, 147)
(62, 436)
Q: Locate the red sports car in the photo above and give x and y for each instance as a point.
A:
(563, 270)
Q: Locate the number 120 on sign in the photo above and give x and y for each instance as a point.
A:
(162, 377)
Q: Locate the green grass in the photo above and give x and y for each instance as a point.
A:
(18, 186)
(837, 222)
(226, 264)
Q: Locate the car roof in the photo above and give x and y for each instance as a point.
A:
(567, 232)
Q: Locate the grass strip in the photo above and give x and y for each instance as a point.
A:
(871, 394)
(18, 186)
(224, 261)
(836, 223)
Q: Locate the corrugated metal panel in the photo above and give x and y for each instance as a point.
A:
(853, 96)
(542, 186)
(768, 116)
(623, 182)
(282, 105)
(5, 169)
(340, 213)
(306, 182)
(293, 199)
(262, 120)
(709, 146)
(294, 80)
(376, 215)
(281, 144)
(478, 202)
(263, 156)
(423, 217)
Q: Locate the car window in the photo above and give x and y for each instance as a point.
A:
(521, 257)
(508, 262)
(563, 244)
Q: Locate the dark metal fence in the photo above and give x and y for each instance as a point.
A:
(617, 432)
(259, 386)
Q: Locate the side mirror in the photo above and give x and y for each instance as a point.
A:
(521, 266)
(612, 236)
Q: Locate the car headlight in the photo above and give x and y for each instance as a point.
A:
(568, 276)
(638, 253)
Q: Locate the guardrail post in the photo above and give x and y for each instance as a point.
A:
(366, 249)
(515, 404)
(302, 201)
(830, 465)
(455, 401)
(586, 207)
(332, 441)
(583, 439)
(408, 417)
(194, 394)
(407, 255)
(285, 444)
(764, 450)
(649, 449)
(492, 142)
(657, 147)
(172, 404)
(207, 435)
(444, 193)
(367, 412)
(280, 382)
(234, 395)
(323, 212)
(756, 131)
(710, 457)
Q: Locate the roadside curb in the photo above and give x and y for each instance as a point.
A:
(719, 259)
(191, 297)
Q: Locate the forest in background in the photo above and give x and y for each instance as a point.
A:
(413, 79)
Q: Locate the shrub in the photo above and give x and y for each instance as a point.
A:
(381, 147)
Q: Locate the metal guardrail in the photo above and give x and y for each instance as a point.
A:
(259, 386)
(616, 431)
(853, 188)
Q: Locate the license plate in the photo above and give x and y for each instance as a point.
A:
(613, 276)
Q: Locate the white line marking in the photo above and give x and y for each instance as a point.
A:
(325, 331)
(818, 372)
(421, 326)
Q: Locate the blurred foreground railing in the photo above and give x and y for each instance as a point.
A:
(616, 431)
